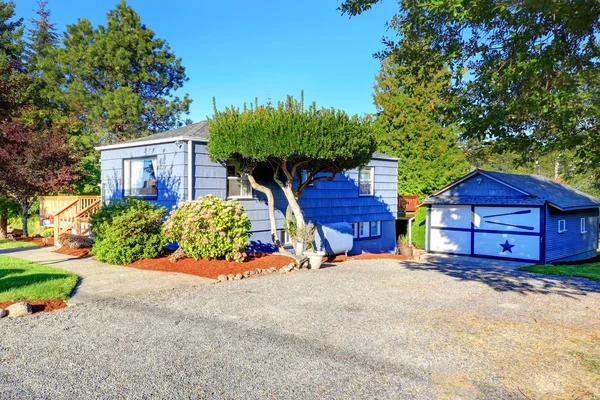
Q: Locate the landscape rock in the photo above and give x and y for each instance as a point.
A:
(292, 264)
(273, 269)
(287, 268)
(222, 278)
(238, 277)
(19, 309)
(3, 313)
(230, 277)
(251, 272)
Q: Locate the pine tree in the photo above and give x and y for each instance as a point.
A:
(409, 103)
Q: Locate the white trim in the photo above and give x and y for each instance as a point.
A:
(505, 184)
(564, 223)
(582, 226)
(147, 142)
(372, 179)
(190, 160)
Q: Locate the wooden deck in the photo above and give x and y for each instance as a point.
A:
(68, 214)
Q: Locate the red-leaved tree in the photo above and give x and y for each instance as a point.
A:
(34, 160)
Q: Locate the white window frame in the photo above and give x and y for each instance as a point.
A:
(127, 177)
(372, 181)
(582, 226)
(360, 233)
(287, 239)
(564, 225)
(378, 227)
(354, 226)
(240, 180)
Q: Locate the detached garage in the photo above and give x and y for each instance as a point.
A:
(513, 217)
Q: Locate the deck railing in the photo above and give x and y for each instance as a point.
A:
(69, 213)
(408, 203)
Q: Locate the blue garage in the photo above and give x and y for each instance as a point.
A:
(514, 217)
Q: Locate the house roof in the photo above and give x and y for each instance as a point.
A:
(198, 132)
(536, 189)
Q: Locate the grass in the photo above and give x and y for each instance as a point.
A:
(12, 244)
(591, 362)
(25, 280)
(589, 271)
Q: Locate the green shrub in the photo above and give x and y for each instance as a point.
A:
(418, 228)
(210, 228)
(128, 230)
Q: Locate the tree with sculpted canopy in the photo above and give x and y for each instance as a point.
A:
(291, 138)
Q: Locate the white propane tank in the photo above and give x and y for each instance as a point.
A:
(335, 238)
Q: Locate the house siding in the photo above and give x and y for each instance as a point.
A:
(324, 202)
(571, 244)
(480, 185)
(172, 172)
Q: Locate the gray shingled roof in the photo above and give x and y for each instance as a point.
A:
(557, 194)
(384, 156)
(539, 188)
(199, 130)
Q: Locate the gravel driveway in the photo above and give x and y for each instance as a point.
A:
(362, 329)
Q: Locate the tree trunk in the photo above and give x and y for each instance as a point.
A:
(24, 215)
(3, 226)
(556, 170)
(271, 204)
(296, 210)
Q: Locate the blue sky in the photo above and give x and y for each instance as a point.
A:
(238, 50)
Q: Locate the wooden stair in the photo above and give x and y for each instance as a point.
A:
(74, 216)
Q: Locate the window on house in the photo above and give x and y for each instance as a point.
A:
(375, 228)
(562, 226)
(237, 187)
(363, 230)
(583, 230)
(286, 238)
(354, 230)
(366, 177)
(139, 177)
(304, 175)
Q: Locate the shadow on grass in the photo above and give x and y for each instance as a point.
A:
(21, 281)
(6, 272)
(508, 279)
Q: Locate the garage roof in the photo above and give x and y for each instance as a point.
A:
(536, 189)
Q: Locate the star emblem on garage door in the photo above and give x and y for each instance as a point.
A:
(507, 246)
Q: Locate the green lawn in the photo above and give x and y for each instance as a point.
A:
(590, 271)
(25, 280)
(11, 244)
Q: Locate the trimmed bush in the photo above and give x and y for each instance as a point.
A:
(419, 227)
(210, 228)
(48, 233)
(128, 230)
(75, 241)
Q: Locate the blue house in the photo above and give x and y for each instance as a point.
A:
(170, 167)
(514, 217)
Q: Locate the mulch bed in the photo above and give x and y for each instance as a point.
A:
(84, 252)
(38, 241)
(368, 256)
(39, 305)
(213, 268)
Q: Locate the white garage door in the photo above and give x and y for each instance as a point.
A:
(498, 232)
(450, 229)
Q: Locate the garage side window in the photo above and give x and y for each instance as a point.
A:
(238, 187)
(139, 177)
(583, 230)
(562, 226)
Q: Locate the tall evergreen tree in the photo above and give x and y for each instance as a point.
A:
(119, 78)
(409, 105)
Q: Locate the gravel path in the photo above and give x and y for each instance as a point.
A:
(363, 329)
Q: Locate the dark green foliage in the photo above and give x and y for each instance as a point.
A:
(418, 228)
(410, 118)
(526, 73)
(118, 78)
(128, 231)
